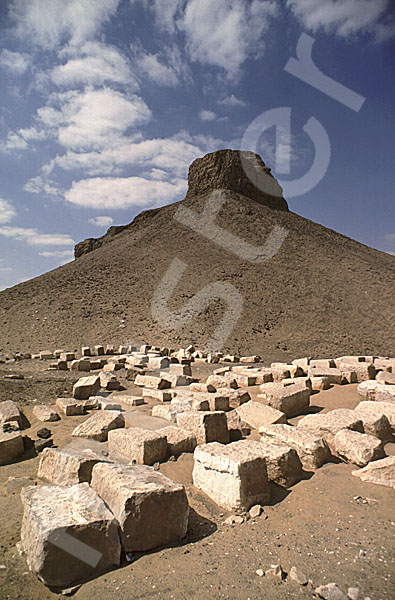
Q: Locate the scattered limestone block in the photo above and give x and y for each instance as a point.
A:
(176, 369)
(332, 376)
(215, 401)
(108, 404)
(99, 424)
(99, 350)
(244, 380)
(46, 355)
(381, 472)
(170, 412)
(282, 462)
(294, 370)
(236, 426)
(109, 382)
(280, 373)
(45, 414)
(176, 380)
(377, 408)
(363, 370)
(234, 476)
(150, 381)
(357, 448)
(328, 424)
(206, 426)
(70, 406)
(80, 365)
(11, 447)
(375, 422)
(178, 440)
(319, 383)
(237, 397)
(202, 387)
(220, 381)
(66, 466)
(151, 509)
(9, 412)
(200, 402)
(303, 363)
(367, 389)
(291, 400)
(385, 393)
(385, 378)
(257, 414)
(92, 402)
(68, 534)
(311, 448)
(158, 362)
(161, 395)
(130, 400)
(322, 363)
(143, 446)
(86, 386)
(86, 351)
(112, 366)
(250, 359)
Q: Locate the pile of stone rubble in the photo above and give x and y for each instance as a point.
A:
(100, 506)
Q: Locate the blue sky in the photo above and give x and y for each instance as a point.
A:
(105, 103)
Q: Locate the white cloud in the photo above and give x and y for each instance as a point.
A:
(226, 32)
(119, 193)
(39, 184)
(151, 66)
(346, 17)
(57, 253)
(102, 221)
(89, 119)
(94, 64)
(207, 115)
(390, 237)
(34, 238)
(15, 62)
(232, 101)
(165, 11)
(7, 211)
(50, 23)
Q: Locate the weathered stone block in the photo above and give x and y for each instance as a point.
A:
(292, 400)
(45, 414)
(331, 375)
(311, 448)
(161, 395)
(257, 414)
(377, 408)
(99, 424)
(11, 447)
(178, 440)
(66, 466)
(328, 424)
(206, 426)
(9, 412)
(151, 509)
(109, 382)
(237, 397)
(234, 476)
(152, 382)
(170, 412)
(143, 446)
(68, 534)
(363, 370)
(176, 369)
(381, 472)
(282, 462)
(70, 406)
(357, 448)
(220, 381)
(86, 386)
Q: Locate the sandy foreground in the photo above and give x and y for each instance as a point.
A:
(332, 526)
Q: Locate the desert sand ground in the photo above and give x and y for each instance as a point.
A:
(332, 526)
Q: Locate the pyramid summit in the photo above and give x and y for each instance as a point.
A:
(308, 291)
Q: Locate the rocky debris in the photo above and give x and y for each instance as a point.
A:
(151, 509)
(310, 447)
(255, 511)
(11, 447)
(367, 407)
(10, 413)
(66, 466)
(328, 424)
(275, 571)
(234, 520)
(330, 592)
(206, 426)
(98, 425)
(45, 413)
(40, 444)
(150, 381)
(298, 576)
(234, 475)
(292, 400)
(353, 593)
(381, 472)
(86, 386)
(109, 382)
(44, 433)
(282, 462)
(68, 534)
(257, 414)
(178, 440)
(242, 172)
(142, 446)
(357, 448)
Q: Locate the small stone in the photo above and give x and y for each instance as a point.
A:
(275, 571)
(353, 593)
(234, 520)
(44, 433)
(39, 445)
(297, 575)
(330, 592)
(255, 511)
(259, 572)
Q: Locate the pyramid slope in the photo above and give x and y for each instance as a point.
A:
(321, 293)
